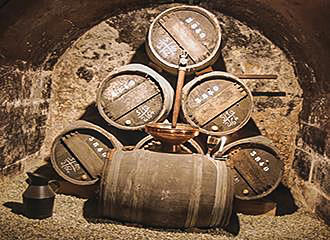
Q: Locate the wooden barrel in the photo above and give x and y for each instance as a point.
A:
(79, 152)
(149, 143)
(184, 28)
(257, 167)
(133, 96)
(166, 190)
(218, 103)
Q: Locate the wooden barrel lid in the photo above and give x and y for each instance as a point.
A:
(257, 166)
(149, 143)
(218, 103)
(133, 96)
(79, 152)
(184, 28)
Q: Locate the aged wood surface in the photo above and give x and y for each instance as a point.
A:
(183, 35)
(130, 100)
(86, 155)
(257, 167)
(133, 96)
(255, 207)
(216, 103)
(167, 190)
(143, 113)
(185, 28)
(79, 152)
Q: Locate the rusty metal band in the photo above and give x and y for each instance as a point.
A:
(102, 195)
(216, 204)
(230, 198)
(104, 176)
(195, 194)
(139, 181)
(219, 197)
(112, 180)
(224, 194)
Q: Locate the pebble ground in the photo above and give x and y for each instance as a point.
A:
(72, 220)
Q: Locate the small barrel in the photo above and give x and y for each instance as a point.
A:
(184, 28)
(149, 143)
(166, 190)
(218, 103)
(257, 167)
(133, 96)
(79, 152)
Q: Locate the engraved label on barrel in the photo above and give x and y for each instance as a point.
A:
(110, 93)
(144, 113)
(218, 104)
(195, 25)
(229, 118)
(210, 92)
(99, 148)
(167, 47)
(262, 163)
(70, 165)
(131, 100)
(185, 36)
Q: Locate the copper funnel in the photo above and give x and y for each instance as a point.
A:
(170, 137)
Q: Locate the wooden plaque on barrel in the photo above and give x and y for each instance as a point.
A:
(185, 28)
(79, 152)
(218, 103)
(257, 166)
(133, 96)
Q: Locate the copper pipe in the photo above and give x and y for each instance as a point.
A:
(179, 84)
(257, 76)
(177, 102)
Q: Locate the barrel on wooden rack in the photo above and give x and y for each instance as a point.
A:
(166, 190)
(218, 103)
(133, 96)
(149, 143)
(257, 167)
(80, 151)
(184, 28)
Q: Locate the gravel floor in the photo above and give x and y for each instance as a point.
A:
(70, 221)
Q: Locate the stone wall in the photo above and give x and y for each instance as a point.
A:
(311, 164)
(25, 95)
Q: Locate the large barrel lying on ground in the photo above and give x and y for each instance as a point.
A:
(166, 190)
(218, 103)
(80, 151)
(133, 96)
(184, 28)
(257, 166)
